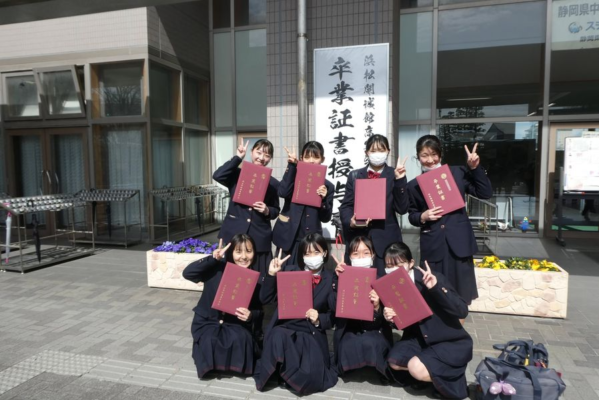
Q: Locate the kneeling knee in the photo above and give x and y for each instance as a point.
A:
(418, 370)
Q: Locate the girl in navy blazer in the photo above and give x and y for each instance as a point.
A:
(222, 341)
(362, 343)
(382, 232)
(438, 348)
(447, 242)
(297, 220)
(255, 220)
(297, 350)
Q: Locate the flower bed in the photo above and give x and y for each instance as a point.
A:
(165, 264)
(521, 287)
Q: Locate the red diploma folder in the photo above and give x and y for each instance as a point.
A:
(397, 291)
(308, 179)
(252, 184)
(439, 189)
(353, 300)
(235, 289)
(294, 290)
(371, 199)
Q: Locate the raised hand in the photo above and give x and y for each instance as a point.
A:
(291, 155)
(340, 265)
(353, 224)
(322, 191)
(428, 278)
(400, 169)
(375, 300)
(242, 149)
(473, 158)
(277, 263)
(312, 316)
(243, 314)
(219, 253)
(389, 313)
(261, 207)
(431, 214)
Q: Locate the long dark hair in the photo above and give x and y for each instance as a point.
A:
(312, 241)
(241, 239)
(379, 141)
(313, 149)
(398, 253)
(430, 141)
(355, 243)
(265, 145)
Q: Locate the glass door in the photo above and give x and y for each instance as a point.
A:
(580, 217)
(45, 162)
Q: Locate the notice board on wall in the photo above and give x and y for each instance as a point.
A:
(581, 164)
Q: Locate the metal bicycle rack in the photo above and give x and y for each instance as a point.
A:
(109, 196)
(208, 200)
(50, 205)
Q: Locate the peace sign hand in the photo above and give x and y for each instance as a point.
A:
(400, 169)
(219, 253)
(277, 263)
(242, 149)
(291, 155)
(473, 158)
(428, 278)
(340, 265)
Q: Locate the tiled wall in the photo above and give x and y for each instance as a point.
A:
(330, 23)
(71, 35)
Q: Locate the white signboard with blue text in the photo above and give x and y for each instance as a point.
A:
(351, 103)
(575, 25)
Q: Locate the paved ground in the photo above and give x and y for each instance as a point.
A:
(92, 329)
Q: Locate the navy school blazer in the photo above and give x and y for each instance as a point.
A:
(210, 271)
(287, 225)
(324, 299)
(453, 229)
(444, 325)
(382, 233)
(241, 218)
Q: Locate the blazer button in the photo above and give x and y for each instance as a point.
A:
(249, 220)
(442, 226)
(425, 336)
(314, 333)
(221, 321)
(250, 208)
(444, 290)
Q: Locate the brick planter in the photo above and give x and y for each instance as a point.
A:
(531, 293)
(165, 270)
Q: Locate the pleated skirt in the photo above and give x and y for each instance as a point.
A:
(363, 349)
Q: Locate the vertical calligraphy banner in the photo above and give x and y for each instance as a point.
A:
(351, 103)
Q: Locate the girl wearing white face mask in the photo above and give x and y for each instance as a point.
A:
(291, 345)
(363, 343)
(437, 349)
(382, 232)
(447, 242)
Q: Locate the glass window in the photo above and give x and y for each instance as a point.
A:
(574, 57)
(226, 143)
(222, 80)
(250, 67)
(416, 3)
(509, 153)
(119, 91)
(196, 101)
(490, 61)
(61, 92)
(21, 96)
(408, 136)
(221, 14)
(167, 167)
(250, 12)
(416, 66)
(197, 157)
(3, 189)
(165, 98)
